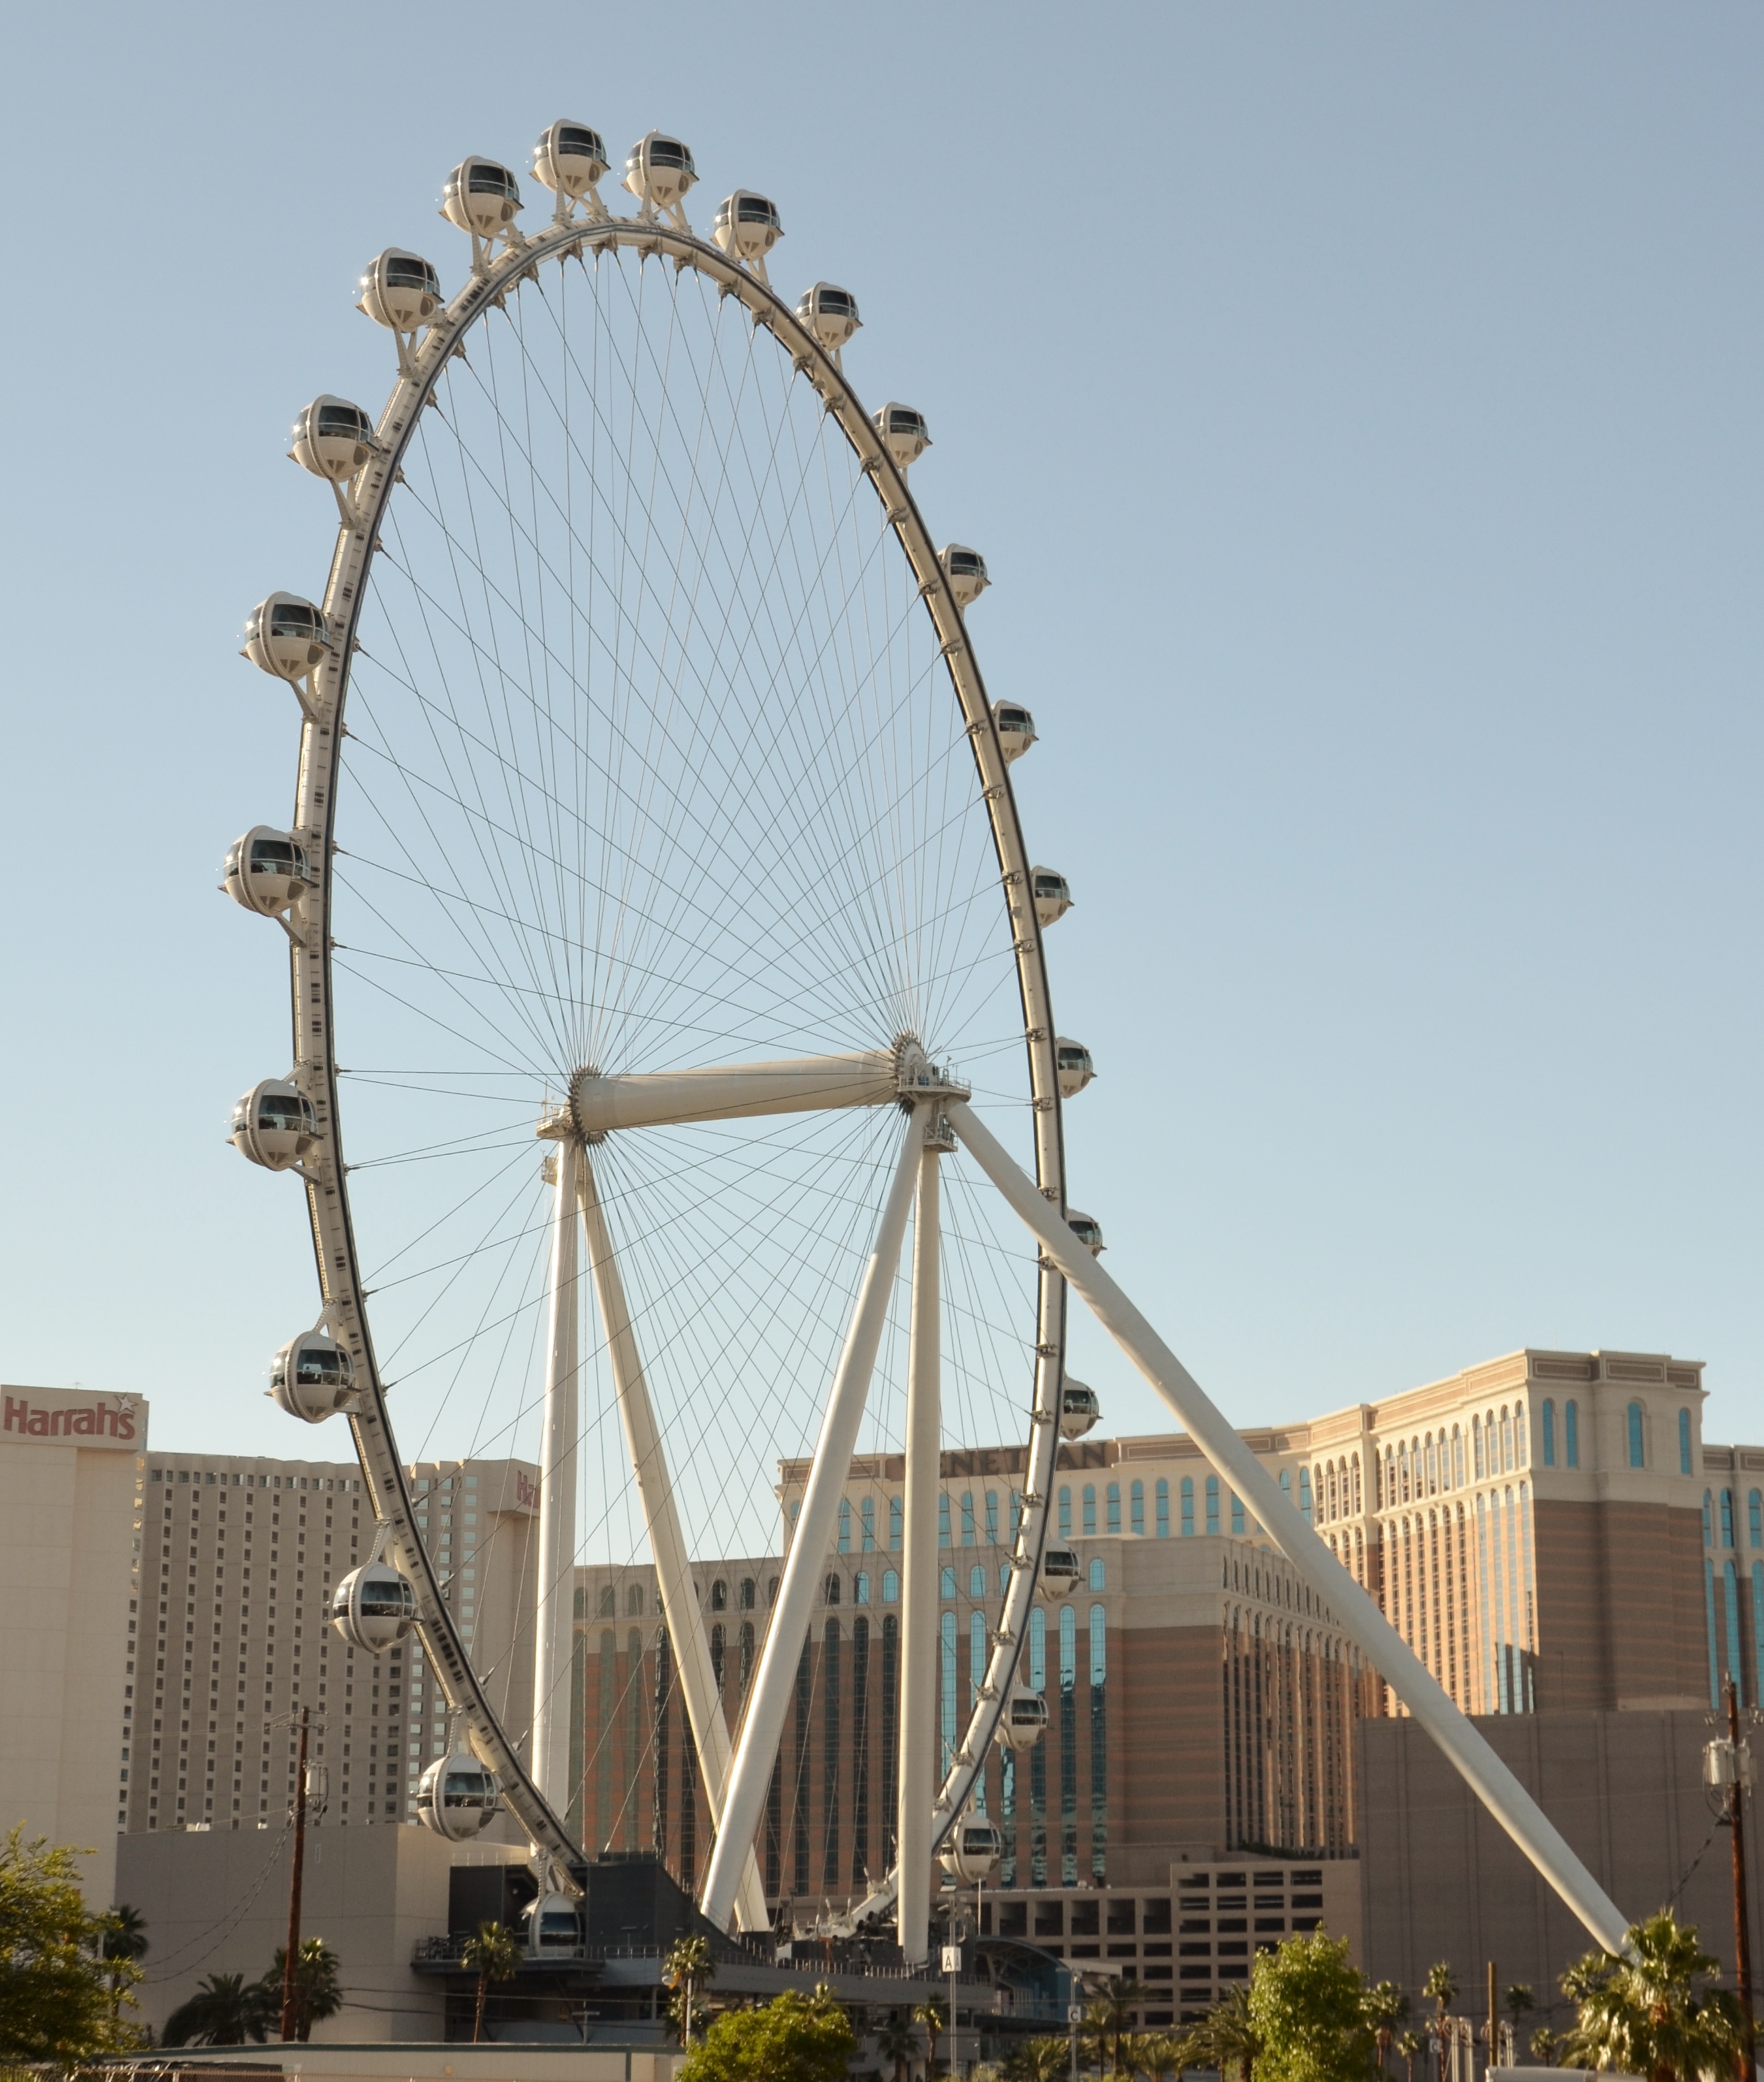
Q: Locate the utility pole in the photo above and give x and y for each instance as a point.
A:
(290, 1964)
(1494, 2042)
(1742, 1921)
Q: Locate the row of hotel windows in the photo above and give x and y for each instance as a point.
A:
(1731, 1607)
(1754, 1517)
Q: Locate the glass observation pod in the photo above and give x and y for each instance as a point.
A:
(374, 1607)
(660, 170)
(1079, 1409)
(569, 158)
(966, 570)
(457, 1796)
(1060, 1565)
(333, 438)
(400, 290)
(1088, 1231)
(481, 196)
(266, 871)
(830, 315)
(274, 1124)
(1024, 1719)
(553, 1927)
(904, 433)
(747, 226)
(1053, 894)
(1073, 1066)
(285, 636)
(971, 1850)
(1015, 727)
(312, 1377)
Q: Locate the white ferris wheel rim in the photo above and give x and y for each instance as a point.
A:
(314, 998)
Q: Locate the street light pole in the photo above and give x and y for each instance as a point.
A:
(1742, 1922)
(291, 1961)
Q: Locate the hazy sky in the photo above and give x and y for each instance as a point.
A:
(1357, 406)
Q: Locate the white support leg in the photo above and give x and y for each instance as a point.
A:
(1494, 1784)
(918, 1576)
(667, 1544)
(554, 1618)
(775, 1679)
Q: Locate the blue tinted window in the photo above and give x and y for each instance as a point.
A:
(1571, 1433)
(1135, 1515)
(1099, 1645)
(868, 1514)
(1237, 1514)
(1708, 1519)
(992, 1517)
(1755, 1519)
(943, 1519)
(1213, 1503)
(977, 1581)
(945, 1584)
(1163, 1510)
(860, 1587)
(896, 1523)
(891, 1587)
(1684, 1442)
(1727, 1518)
(1188, 1505)
(968, 1535)
(1304, 1494)
(845, 1525)
(1098, 1578)
(1065, 1513)
(1089, 1508)
(1114, 1508)
(1038, 1649)
(1636, 1456)
(1549, 1434)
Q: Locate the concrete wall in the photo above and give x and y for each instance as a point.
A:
(1440, 1880)
(69, 1462)
(215, 1901)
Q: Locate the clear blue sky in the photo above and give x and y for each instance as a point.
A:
(1358, 407)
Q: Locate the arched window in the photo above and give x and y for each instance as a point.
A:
(1286, 1484)
(1099, 1645)
(891, 1587)
(1004, 1577)
(1571, 1433)
(948, 1699)
(1163, 1508)
(1099, 1579)
(1476, 1446)
(896, 1523)
(1304, 1497)
(1636, 1457)
(1359, 1499)
(1754, 1510)
(1089, 1508)
(1038, 1649)
(1727, 1518)
(1236, 1514)
(772, 1590)
(1114, 1507)
(866, 1518)
(1708, 1519)
(943, 1538)
(1188, 1506)
(1403, 1481)
(1457, 1458)
(1684, 1442)
(946, 1581)
(1213, 1503)
(992, 1517)
(968, 1532)
(1549, 1433)
(976, 1668)
(1068, 1648)
(634, 1600)
(977, 1581)
(1330, 1510)
(1730, 1585)
(609, 1601)
(1506, 1441)
(1136, 1508)
(860, 1587)
(747, 1652)
(720, 1595)
(1433, 1466)
(1065, 1512)
(845, 1525)
(1522, 1436)
(717, 1641)
(833, 1590)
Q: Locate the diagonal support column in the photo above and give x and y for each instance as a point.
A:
(775, 1679)
(918, 1776)
(667, 1544)
(1493, 1784)
(554, 1618)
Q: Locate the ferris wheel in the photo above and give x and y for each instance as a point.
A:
(658, 909)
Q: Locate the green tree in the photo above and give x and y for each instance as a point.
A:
(60, 1997)
(225, 2010)
(318, 1989)
(1108, 2017)
(1408, 2044)
(931, 2017)
(1643, 2012)
(1545, 2046)
(493, 1953)
(123, 1946)
(1227, 2037)
(1308, 2005)
(1441, 1989)
(1039, 2060)
(1149, 2055)
(687, 1968)
(1385, 2007)
(789, 2040)
(897, 2042)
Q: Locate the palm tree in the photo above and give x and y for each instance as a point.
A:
(318, 1991)
(124, 1941)
(1225, 2038)
(1545, 2045)
(1441, 1989)
(1384, 2006)
(897, 2041)
(1408, 2045)
(1642, 2012)
(1149, 2055)
(1039, 2060)
(225, 2010)
(1519, 1999)
(493, 1953)
(686, 1968)
(932, 2017)
(1109, 2017)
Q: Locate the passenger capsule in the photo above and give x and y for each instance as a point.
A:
(1059, 1567)
(1024, 1720)
(457, 1796)
(747, 227)
(904, 434)
(333, 438)
(482, 197)
(266, 871)
(829, 314)
(1079, 1409)
(966, 571)
(274, 1125)
(1088, 1231)
(285, 636)
(553, 1927)
(374, 1607)
(971, 1850)
(400, 291)
(1016, 729)
(1051, 893)
(659, 172)
(312, 1377)
(569, 160)
(1073, 1067)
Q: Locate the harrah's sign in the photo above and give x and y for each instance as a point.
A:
(28, 1414)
